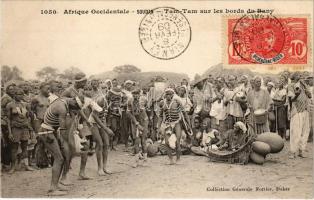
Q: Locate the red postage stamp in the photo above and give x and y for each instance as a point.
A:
(267, 40)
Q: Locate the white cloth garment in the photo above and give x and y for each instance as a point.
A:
(299, 131)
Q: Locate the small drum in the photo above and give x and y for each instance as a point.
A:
(261, 116)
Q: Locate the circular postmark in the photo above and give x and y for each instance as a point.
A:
(259, 39)
(165, 33)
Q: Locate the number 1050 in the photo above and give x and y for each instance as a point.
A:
(48, 12)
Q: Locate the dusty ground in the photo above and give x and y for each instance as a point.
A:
(189, 179)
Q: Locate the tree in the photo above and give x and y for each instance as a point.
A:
(70, 72)
(47, 73)
(8, 73)
(126, 69)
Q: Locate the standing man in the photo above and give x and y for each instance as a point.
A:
(139, 123)
(233, 107)
(170, 117)
(54, 90)
(5, 144)
(259, 98)
(114, 111)
(125, 120)
(299, 96)
(74, 91)
(54, 133)
(101, 134)
(39, 105)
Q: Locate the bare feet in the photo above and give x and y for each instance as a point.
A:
(56, 193)
(12, 170)
(301, 154)
(62, 188)
(66, 182)
(171, 162)
(101, 173)
(29, 168)
(113, 149)
(84, 177)
(107, 171)
(135, 165)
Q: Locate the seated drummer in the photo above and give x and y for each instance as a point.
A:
(234, 138)
(209, 135)
(205, 139)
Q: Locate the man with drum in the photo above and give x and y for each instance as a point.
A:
(259, 102)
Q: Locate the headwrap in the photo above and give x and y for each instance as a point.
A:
(184, 86)
(136, 91)
(108, 81)
(128, 82)
(271, 83)
(245, 76)
(169, 90)
(241, 125)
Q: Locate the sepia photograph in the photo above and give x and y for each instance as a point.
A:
(157, 99)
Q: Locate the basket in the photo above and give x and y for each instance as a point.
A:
(239, 156)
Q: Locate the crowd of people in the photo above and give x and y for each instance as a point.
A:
(43, 122)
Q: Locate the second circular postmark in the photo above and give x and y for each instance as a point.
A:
(165, 33)
(262, 39)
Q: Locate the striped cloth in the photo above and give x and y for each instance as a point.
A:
(300, 104)
(50, 118)
(171, 112)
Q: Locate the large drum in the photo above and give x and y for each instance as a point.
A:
(261, 116)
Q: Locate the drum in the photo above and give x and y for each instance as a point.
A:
(261, 116)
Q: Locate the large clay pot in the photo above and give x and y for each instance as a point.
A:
(261, 148)
(275, 142)
(152, 150)
(256, 158)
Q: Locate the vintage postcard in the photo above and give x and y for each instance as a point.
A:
(157, 99)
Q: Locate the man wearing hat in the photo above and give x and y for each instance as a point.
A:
(139, 125)
(199, 95)
(80, 81)
(170, 117)
(74, 91)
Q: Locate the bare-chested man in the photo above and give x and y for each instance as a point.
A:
(55, 133)
(71, 92)
(171, 115)
(137, 114)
